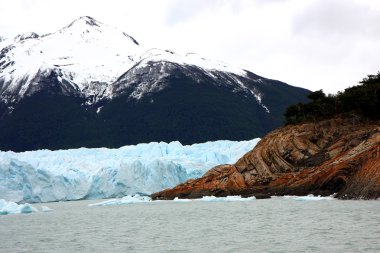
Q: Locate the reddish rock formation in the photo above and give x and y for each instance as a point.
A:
(340, 155)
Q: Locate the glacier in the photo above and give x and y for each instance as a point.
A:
(46, 176)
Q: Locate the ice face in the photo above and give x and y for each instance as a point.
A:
(136, 176)
(22, 182)
(44, 175)
(9, 207)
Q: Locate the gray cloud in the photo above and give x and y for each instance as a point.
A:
(184, 10)
(337, 18)
(266, 2)
(337, 41)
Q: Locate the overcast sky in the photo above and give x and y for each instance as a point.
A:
(316, 44)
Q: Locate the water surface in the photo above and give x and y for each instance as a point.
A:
(273, 225)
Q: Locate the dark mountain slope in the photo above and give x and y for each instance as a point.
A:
(78, 87)
(186, 110)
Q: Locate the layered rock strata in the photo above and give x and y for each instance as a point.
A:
(338, 156)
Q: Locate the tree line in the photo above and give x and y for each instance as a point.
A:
(362, 100)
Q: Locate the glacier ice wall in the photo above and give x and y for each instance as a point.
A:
(44, 175)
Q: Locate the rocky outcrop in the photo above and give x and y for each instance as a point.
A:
(340, 155)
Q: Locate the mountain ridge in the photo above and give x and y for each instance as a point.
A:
(59, 63)
(100, 87)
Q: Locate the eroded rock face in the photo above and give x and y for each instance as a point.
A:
(340, 155)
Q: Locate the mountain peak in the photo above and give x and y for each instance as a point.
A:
(86, 20)
(89, 20)
(87, 24)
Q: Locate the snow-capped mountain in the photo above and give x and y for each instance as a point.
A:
(101, 79)
(84, 55)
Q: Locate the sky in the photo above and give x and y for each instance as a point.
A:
(315, 44)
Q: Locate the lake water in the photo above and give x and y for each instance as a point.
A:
(272, 225)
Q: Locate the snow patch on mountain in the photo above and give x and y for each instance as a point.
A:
(148, 76)
(159, 55)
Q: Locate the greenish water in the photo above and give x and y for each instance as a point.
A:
(273, 225)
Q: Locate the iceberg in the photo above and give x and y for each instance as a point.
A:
(9, 207)
(129, 199)
(309, 197)
(45, 176)
(176, 199)
(226, 199)
(217, 199)
(133, 199)
(46, 209)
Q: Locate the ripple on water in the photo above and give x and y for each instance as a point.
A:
(272, 225)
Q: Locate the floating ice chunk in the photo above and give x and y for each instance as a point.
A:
(130, 199)
(9, 207)
(217, 199)
(176, 199)
(46, 209)
(27, 208)
(309, 197)
(225, 199)
(239, 198)
(211, 199)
